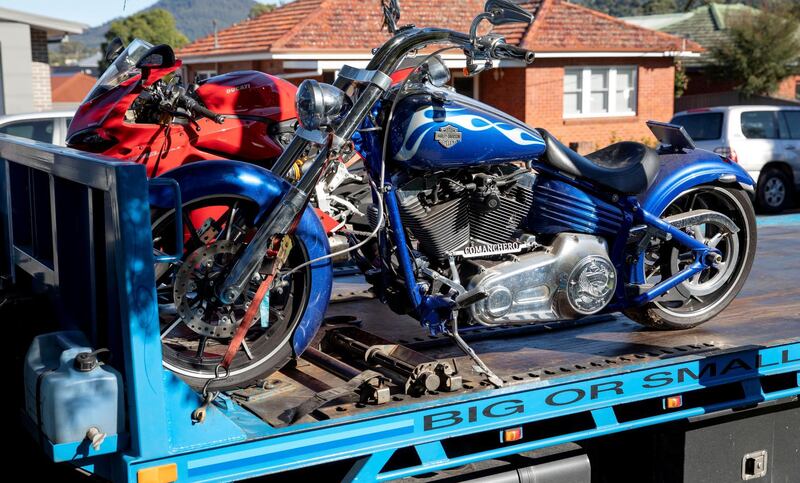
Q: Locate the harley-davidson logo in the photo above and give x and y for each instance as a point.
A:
(448, 136)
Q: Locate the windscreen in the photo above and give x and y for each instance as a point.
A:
(122, 69)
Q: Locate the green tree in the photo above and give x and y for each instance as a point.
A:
(654, 7)
(259, 9)
(763, 50)
(156, 26)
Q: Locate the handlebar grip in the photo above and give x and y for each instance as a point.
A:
(508, 51)
(195, 107)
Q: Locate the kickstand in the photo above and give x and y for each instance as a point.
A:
(462, 344)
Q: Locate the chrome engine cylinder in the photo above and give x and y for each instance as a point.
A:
(573, 278)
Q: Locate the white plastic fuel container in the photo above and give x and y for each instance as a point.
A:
(69, 394)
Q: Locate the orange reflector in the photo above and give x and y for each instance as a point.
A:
(158, 474)
(508, 435)
(673, 402)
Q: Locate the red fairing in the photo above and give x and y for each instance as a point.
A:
(254, 101)
(250, 93)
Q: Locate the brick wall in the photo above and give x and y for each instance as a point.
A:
(789, 88)
(42, 96)
(268, 66)
(39, 46)
(505, 90)
(544, 103)
(40, 70)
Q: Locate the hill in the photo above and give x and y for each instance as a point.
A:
(193, 18)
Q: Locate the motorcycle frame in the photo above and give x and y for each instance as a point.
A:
(435, 311)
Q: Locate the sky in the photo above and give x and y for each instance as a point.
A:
(92, 12)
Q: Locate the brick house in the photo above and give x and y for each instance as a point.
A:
(24, 61)
(596, 78)
(709, 26)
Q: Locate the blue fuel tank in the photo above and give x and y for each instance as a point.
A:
(437, 128)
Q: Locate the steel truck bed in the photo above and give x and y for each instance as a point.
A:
(78, 226)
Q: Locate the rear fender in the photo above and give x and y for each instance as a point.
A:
(680, 172)
(201, 179)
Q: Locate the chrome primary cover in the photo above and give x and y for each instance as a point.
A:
(574, 277)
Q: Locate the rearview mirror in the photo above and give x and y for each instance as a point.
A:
(505, 11)
(499, 12)
(113, 49)
(158, 56)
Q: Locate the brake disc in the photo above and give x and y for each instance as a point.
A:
(195, 291)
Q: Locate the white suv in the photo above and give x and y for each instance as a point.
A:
(764, 140)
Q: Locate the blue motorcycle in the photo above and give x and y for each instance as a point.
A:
(476, 218)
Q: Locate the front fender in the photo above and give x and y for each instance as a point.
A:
(206, 178)
(680, 172)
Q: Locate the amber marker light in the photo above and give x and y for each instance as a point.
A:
(510, 435)
(673, 402)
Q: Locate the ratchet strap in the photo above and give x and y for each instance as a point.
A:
(324, 397)
(280, 258)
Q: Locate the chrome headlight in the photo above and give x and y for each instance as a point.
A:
(320, 105)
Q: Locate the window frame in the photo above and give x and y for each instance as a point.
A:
(585, 92)
(207, 72)
(457, 73)
(776, 118)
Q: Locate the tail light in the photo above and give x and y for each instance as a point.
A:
(728, 152)
(91, 140)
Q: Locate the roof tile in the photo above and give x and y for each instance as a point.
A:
(355, 26)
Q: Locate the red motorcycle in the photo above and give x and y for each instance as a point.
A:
(139, 110)
(144, 114)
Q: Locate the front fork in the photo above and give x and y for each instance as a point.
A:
(281, 221)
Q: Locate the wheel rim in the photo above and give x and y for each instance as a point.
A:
(706, 290)
(774, 192)
(195, 353)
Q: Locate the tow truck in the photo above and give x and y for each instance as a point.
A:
(600, 399)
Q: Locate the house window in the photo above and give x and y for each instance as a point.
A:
(600, 91)
(202, 75)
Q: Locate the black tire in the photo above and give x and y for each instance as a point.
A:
(774, 191)
(270, 347)
(656, 316)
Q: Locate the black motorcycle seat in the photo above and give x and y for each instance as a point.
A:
(627, 167)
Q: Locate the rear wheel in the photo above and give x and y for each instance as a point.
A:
(706, 294)
(196, 327)
(774, 191)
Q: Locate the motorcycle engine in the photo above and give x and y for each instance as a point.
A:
(451, 210)
(477, 218)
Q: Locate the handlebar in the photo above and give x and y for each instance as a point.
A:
(197, 109)
(505, 51)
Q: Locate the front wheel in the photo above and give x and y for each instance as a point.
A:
(196, 327)
(705, 295)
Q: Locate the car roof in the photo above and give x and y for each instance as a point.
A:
(744, 108)
(35, 115)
